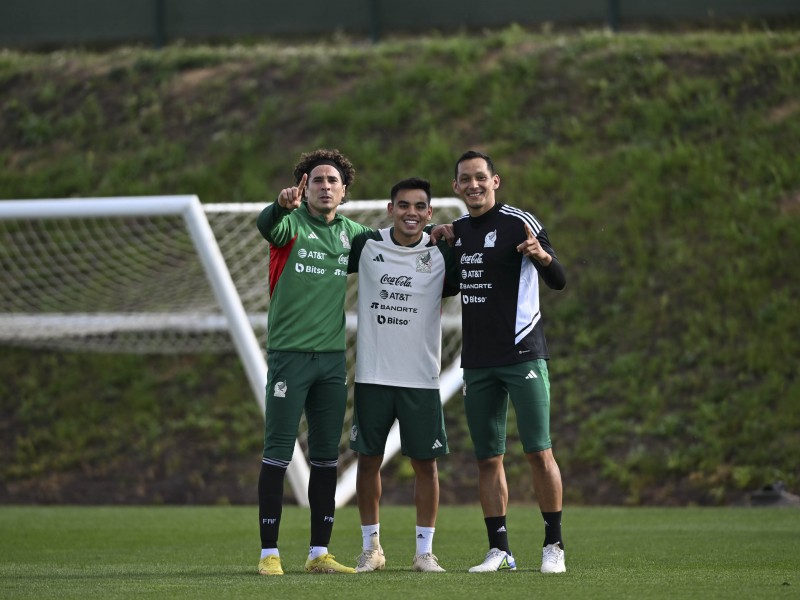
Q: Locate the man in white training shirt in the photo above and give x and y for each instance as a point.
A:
(402, 278)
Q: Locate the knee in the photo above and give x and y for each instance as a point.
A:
(425, 468)
(369, 465)
(492, 464)
(542, 461)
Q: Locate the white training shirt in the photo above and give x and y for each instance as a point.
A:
(399, 340)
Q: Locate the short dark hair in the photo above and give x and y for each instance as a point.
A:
(412, 183)
(469, 155)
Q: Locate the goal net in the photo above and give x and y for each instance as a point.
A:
(167, 274)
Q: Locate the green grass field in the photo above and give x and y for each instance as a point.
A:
(211, 552)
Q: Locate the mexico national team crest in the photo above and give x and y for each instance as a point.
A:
(424, 263)
(490, 239)
(345, 240)
(280, 389)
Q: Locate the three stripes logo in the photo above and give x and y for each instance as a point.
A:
(437, 444)
(378, 258)
(531, 375)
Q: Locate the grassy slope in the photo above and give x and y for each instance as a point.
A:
(663, 166)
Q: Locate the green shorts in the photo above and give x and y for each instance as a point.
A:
(417, 410)
(314, 382)
(486, 395)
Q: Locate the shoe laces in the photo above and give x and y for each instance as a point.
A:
(366, 556)
(552, 553)
(427, 556)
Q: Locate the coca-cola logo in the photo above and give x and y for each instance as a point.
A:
(472, 259)
(401, 280)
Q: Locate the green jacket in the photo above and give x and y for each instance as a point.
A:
(307, 278)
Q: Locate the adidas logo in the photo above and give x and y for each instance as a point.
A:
(502, 529)
(420, 536)
(458, 242)
(378, 258)
(312, 236)
(531, 375)
(436, 444)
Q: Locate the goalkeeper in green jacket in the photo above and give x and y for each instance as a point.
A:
(309, 249)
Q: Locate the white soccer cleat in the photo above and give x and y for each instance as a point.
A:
(371, 560)
(427, 563)
(496, 560)
(553, 559)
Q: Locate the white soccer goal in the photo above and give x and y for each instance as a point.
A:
(169, 275)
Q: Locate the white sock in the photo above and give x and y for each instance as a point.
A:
(370, 536)
(269, 552)
(316, 551)
(425, 539)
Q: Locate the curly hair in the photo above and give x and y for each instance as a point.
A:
(307, 159)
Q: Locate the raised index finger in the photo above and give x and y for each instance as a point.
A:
(530, 233)
(302, 185)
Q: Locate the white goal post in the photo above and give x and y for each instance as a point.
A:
(168, 274)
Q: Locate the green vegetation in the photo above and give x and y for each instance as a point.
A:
(212, 552)
(664, 166)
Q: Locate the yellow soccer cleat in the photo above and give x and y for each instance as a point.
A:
(326, 564)
(270, 565)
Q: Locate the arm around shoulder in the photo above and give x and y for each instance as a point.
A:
(451, 283)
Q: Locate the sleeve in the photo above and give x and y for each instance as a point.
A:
(553, 274)
(451, 269)
(274, 224)
(357, 246)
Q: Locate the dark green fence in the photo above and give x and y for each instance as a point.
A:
(31, 23)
